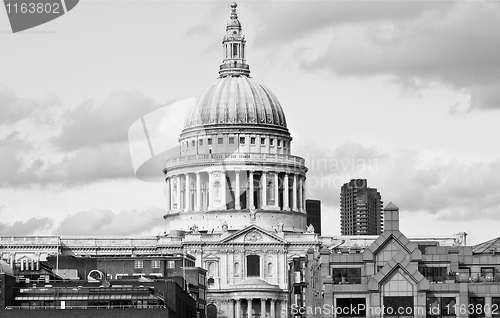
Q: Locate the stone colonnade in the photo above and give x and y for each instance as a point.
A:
(249, 308)
(235, 189)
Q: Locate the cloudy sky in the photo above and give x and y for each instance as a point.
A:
(403, 93)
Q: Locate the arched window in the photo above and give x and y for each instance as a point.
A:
(211, 311)
(236, 269)
(211, 269)
(253, 266)
(270, 269)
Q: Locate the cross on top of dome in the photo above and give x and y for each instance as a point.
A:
(234, 48)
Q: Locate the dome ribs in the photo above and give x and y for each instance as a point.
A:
(217, 101)
(235, 100)
(248, 102)
(232, 102)
(267, 112)
(275, 120)
(257, 114)
(206, 109)
(200, 110)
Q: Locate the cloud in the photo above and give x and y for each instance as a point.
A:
(105, 222)
(95, 125)
(80, 146)
(16, 169)
(451, 189)
(14, 109)
(416, 182)
(279, 20)
(458, 49)
(330, 169)
(23, 167)
(32, 226)
(96, 221)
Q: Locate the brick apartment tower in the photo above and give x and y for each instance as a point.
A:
(360, 209)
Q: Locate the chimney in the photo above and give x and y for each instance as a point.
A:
(391, 217)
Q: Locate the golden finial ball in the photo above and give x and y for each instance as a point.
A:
(234, 5)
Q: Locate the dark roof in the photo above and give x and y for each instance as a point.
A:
(486, 247)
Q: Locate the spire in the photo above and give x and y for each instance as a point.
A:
(233, 45)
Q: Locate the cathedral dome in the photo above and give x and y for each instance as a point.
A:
(235, 100)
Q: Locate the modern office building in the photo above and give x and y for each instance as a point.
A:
(313, 210)
(360, 209)
(395, 276)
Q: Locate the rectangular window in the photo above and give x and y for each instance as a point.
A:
(495, 306)
(351, 307)
(242, 140)
(235, 50)
(138, 263)
(262, 141)
(488, 273)
(220, 141)
(434, 274)
(279, 142)
(200, 142)
(231, 140)
(271, 142)
(209, 141)
(170, 264)
(155, 263)
(253, 265)
(399, 306)
(192, 143)
(441, 306)
(252, 140)
(346, 275)
(476, 305)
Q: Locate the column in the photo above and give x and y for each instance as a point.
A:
(210, 190)
(172, 194)
(286, 199)
(300, 194)
(251, 203)
(263, 307)
(263, 180)
(37, 261)
(284, 304)
(303, 202)
(276, 191)
(223, 190)
(187, 193)
(178, 193)
(231, 309)
(487, 304)
(294, 190)
(249, 307)
(273, 308)
(198, 192)
(238, 308)
(167, 193)
(237, 204)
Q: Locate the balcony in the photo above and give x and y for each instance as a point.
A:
(236, 158)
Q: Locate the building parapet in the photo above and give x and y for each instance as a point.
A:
(237, 158)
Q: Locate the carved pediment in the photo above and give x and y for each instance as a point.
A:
(253, 234)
